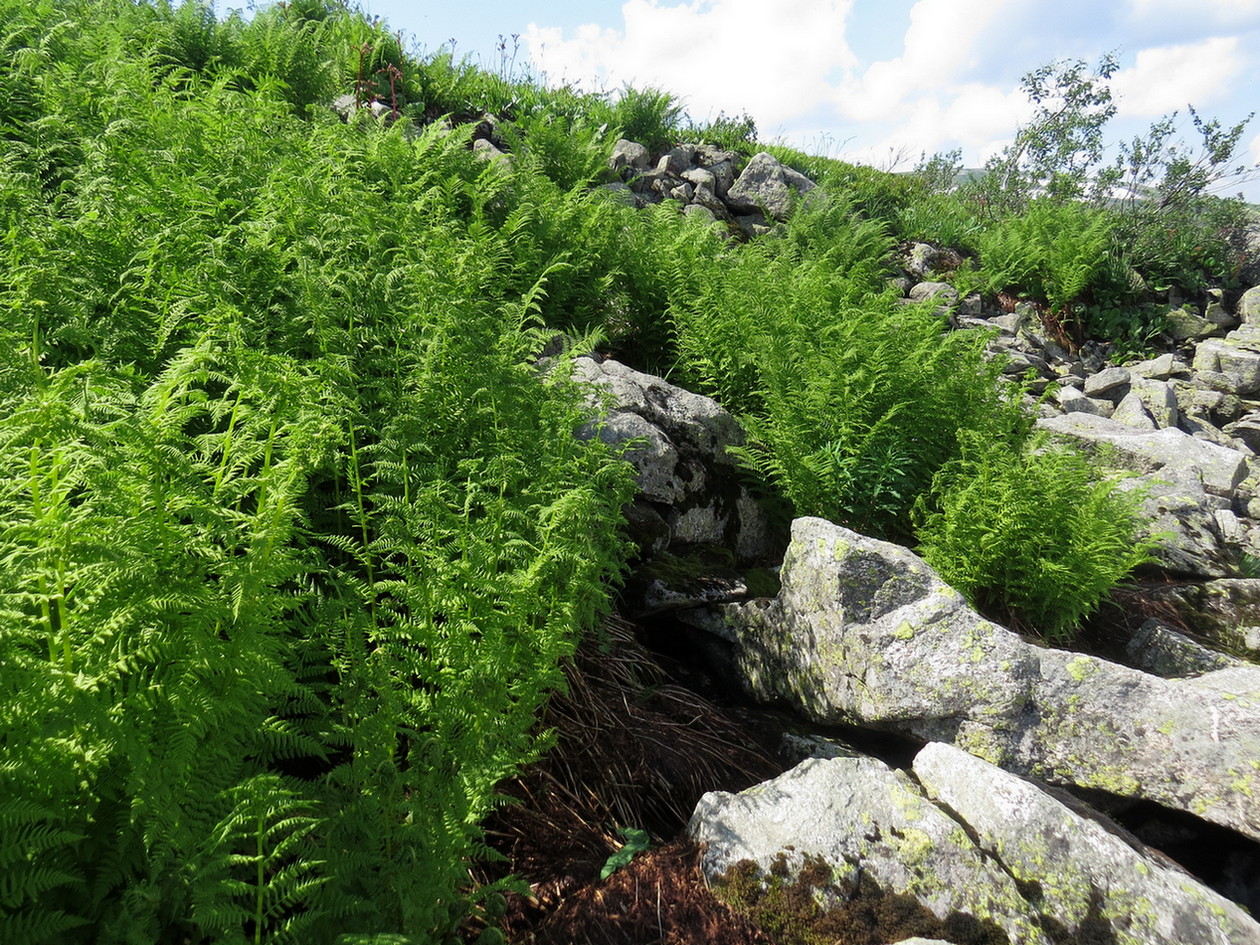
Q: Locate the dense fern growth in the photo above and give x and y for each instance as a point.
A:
(292, 533)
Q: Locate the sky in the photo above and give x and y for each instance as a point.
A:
(877, 82)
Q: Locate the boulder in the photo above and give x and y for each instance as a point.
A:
(864, 632)
(862, 818)
(1226, 612)
(1112, 383)
(1248, 308)
(769, 186)
(689, 487)
(1089, 879)
(1158, 648)
(1179, 516)
(981, 849)
(940, 292)
(1229, 356)
(1142, 451)
(1073, 401)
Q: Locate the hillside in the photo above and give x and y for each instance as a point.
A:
(320, 486)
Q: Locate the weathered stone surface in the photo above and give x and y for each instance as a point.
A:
(1180, 517)
(628, 154)
(1112, 382)
(1248, 308)
(1159, 368)
(865, 632)
(1229, 357)
(1187, 326)
(1159, 649)
(679, 442)
(1073, 401)
(1222, 469)
(1132, 412)
(769, 186)
(1089, 876)
(941, 292)
(1226, 612)
(856, 813)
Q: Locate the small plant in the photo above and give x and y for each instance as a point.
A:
(1034, 538)
(637, 841)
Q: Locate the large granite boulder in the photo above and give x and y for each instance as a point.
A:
(979, 848)
(769, 186)
(865, 632)
(1084, 874)
(863, 818)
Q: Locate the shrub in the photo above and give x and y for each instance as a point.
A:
(1033, 537)
(1053, 252)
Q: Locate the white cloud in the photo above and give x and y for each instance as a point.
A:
(719, 55)
(1236, 14)
(938, 45)
(1168, 78)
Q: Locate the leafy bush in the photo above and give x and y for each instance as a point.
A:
(649, 116)
(1032, 537)
(1052, 252)
(852, 401)
(292, 533)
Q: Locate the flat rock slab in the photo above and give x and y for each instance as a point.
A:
(1145, 451)
(865, 632)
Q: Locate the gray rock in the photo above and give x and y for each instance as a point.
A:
(1187, 326)
(1132, 412)
(923, 260)
(1073, 401)
(865, 632)
(628, 154)
(1112, 383)
(1085, 870)
(1208, 401)
(1228, 356)
(700, 177)
(677, 160)
(1248, 308)
(940, 292)
(1141, 451)
(1179, 515)
(769, 186)
(1158, 648)
(1246, 429)
(1226, 612)
(1160, 368)
(678, 446)
(856, 813)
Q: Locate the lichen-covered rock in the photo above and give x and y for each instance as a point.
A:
(769, 186)
(1178, 514)
(858, 814)
(865, 632)
(1227, 612)
(1159, 649)
(1082, 872)
(1233, 357)
(1144, 451)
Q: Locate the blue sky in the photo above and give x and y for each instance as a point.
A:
(875, 81)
